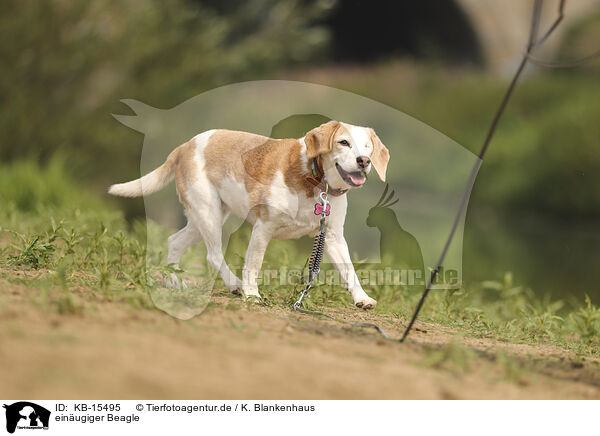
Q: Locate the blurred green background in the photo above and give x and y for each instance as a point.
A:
(535, 205)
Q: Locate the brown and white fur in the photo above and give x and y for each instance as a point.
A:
(265, 181)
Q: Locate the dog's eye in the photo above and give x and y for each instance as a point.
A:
(344, 143)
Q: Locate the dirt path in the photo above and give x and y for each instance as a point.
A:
(114, 350)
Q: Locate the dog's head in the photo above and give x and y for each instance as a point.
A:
(347, 153)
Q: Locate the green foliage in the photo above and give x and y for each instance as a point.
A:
(67, 65)
(586, 321)
(26, 186)
(31, 252)
(52, 225)
(546, 142)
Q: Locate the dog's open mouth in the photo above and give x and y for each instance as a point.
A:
(354, 178)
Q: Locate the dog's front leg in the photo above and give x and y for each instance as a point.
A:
(261, 235)
(337, 250)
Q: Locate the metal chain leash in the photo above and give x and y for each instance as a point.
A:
(314, 262)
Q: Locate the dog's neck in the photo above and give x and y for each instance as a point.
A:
(317, 178)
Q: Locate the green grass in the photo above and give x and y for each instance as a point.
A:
(79, 252)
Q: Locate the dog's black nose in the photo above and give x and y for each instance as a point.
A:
(363, 161)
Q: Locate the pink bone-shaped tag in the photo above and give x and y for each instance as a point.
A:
(319, 209)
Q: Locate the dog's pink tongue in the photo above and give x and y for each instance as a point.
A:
(357, 178)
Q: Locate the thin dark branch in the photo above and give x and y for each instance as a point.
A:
(535, 24)
(535, 21)
(561, 15)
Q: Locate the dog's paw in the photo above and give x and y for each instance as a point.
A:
(251, 294)
(365, 302)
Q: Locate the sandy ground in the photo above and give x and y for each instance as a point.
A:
(114, 350)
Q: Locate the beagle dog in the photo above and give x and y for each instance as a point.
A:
(272, 183)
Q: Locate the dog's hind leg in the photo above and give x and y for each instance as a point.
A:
(208, 214)
(178, 243)
(204, 208)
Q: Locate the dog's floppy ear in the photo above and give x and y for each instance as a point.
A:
(380, 156)
(320, 139)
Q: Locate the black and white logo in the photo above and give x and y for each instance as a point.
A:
(26, 415)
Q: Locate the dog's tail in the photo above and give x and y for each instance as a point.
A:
(151, 182)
